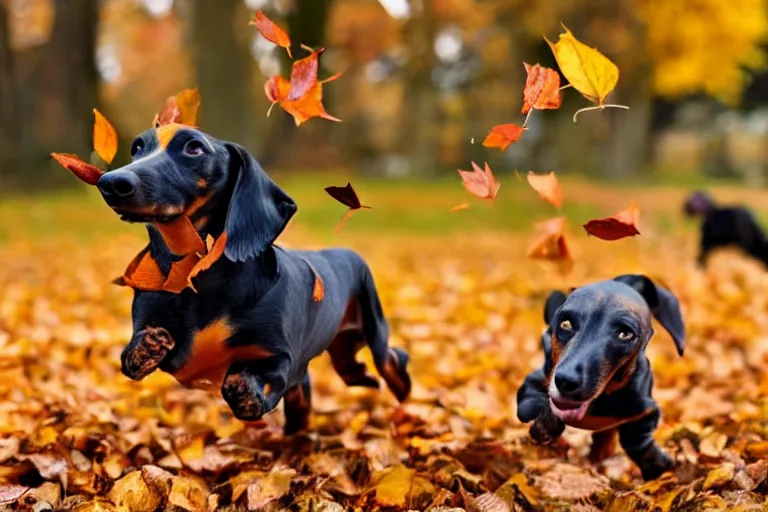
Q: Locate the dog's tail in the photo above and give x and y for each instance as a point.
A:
(391, 362)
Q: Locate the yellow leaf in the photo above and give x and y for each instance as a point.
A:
(104, 137)
(587, 70)
(188, 102)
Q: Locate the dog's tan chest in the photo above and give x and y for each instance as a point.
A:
(210, 357)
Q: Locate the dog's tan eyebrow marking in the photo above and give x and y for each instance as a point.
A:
(165, 133)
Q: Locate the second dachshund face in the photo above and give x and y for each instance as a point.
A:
(598, 332)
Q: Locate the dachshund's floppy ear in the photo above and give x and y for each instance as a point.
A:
(664, 306)
(258, 211)
(555, 299)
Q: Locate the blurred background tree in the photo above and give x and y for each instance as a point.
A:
(424, 81)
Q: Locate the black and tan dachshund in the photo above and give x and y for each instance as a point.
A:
(250, 326)
(724, 226)
(596, 375)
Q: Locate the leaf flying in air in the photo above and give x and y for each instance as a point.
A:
(547, 186)
(304, 75)
(214, 254)
(271, 32)
(621, 225)
(587, 70)
(104, 137)
(479, 182)
(503, 135)
(83, 170)
(542, 88)
(550, 244)
(180, 109)
(308, 106)
(348, 197)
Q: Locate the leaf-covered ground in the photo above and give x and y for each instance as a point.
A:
(77, 435)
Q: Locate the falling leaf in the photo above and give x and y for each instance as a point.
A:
(621, 225)
(348, 197)
(271, 32)
(503, 135)
(542, 88)
(216, 252)
(180, 109)
(587, 70)
(104, 137)
(310, 105)
(304, 75)
(83, 170)
(547, 186)
(459, 207)
(550, 244)
(479, 182)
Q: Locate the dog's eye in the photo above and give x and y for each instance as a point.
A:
(193, 148)
(566, 325)
(625, 335)
(137, 146)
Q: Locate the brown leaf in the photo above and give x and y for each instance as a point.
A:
(83, 170)
(260, 487)
(547, 186)
(104, 137)
(479, 182)
(400, 487)
(719, 476)
(551, 245)
(11, 493)
(346, 196)
(271, 32)
(503, 135)
(621, 225)
(132, 494)
(188, 493)
(542, 88)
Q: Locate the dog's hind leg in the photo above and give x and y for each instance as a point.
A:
(297, 404)
(343, 349)
(391, 362)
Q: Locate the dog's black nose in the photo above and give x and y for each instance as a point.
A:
(566, 382)
(118, 184)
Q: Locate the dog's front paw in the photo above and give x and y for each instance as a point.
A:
(546, 428)
(245, 396)
(653, 462)
(146, 352)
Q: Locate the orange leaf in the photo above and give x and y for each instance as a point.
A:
(542, 88)
(181, 237)
(178, 277)
(304, 75)
(216, 252)
(551, 245)
(143, 273)
(482, 184)
(308, 106)
(547, 186)
(621, 225)
(318, 292)
(83, 170)
(503, 135)
(271, 32)
(277, 88)
(104, 137)
(459, 207)
(180, 109)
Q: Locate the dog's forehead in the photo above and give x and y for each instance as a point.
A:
(161, 136)
(609, 293)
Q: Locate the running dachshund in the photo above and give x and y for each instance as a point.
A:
(596, 375)
(250, 326)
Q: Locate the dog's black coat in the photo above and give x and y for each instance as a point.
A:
(588, 361)
(724, 226)
(253, 308)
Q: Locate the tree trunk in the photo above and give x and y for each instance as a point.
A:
(56, 102)
(9, 120)
(224, 72)
(629, 148)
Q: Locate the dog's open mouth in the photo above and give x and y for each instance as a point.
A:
(569, 411)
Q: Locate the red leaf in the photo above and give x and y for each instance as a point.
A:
(83, 170)
(271, 32)
(346, 196)
(621, 225)
(542, 88)
(551, 245)
(304, 75)
(547, 186)
(479, 182)
(503, 135)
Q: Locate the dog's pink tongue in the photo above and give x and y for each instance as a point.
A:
(571, 415)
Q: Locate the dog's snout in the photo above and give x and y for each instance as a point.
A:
(567, 382)
(118, 184)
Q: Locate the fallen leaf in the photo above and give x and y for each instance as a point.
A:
(587, 70)
(83, 170)
(261, 487)
(542, 88)
(479, 182)
(459, 207)
(503, 135)
(719, 476)
(547, 186)
(621, 225)
(304, 75)
(11, 493)
(271, 32)
(188, 493)
(400, 487)
(132, 494)
(104, 137)
(550, 244)
(348, 197)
